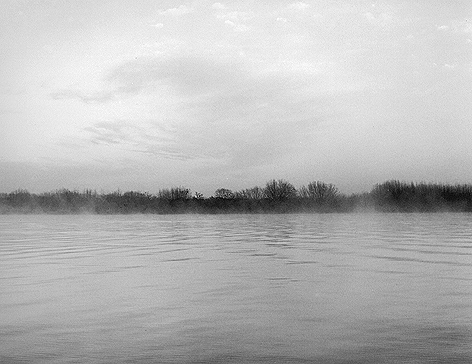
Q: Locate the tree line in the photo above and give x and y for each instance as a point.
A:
(277, 196)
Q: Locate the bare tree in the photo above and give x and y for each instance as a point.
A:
(198, 196)
(174, 193)
(255, 193)
(224, 193)
(279, 190)
(319, 191)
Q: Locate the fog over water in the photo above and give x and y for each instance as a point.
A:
(342, 288)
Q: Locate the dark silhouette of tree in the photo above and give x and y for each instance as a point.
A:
(224, 193)
(19, 198)
(422, 197)
(198, 196)
(277, 196)
(279, 190)
(255, 193)
(174, 193)
(319, 192)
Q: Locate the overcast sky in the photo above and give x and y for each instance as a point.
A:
(148, 94)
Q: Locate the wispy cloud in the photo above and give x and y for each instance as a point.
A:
(218, 6)
(466, 26)
(127, 131)
(237, 16)
(150, 138)
(112, 133)
(92, 97)
(229, 111)
(236, 19)
(298, 6)
(193, 89)
(382, 19)
(181, 10)
(140, 137)
(237, 27)
(194, 75)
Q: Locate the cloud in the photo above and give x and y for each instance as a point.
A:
(236, 19)
(92, 97)
(187, 75)
(248, 118)
(218, 6)
(227, 112)
(466, 27)
(181, 10)
(298, 6)
(136, 136)
(111, 133)
(383, 19)
(237, 27)
(236, 16)
(157, 25)
(458, 27)
(219, 112)
(141, 138)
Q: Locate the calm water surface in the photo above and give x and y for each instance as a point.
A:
(357, 288)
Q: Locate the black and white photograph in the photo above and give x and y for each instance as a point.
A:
(240, 181)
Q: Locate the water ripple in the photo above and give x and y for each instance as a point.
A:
(360, 288)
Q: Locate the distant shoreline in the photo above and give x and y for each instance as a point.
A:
(277, 196)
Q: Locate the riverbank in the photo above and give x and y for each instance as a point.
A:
(277, 196)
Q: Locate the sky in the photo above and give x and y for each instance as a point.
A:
(143, 95)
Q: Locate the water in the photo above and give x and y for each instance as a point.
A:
(357, 288)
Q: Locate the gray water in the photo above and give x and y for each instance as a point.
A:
(357, 288)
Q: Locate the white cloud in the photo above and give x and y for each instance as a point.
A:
(218, 6)
(226, 96)
(298, 6)
(382, 20)
(236, 16)
(181, 10)
(85, 97)
(191, 76)
(443, 27)
(236, 20)
(282, 20)
(237, 27)
(157, 25)
(458, 27)
(467, 27)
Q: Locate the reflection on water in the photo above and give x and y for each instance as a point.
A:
(358, 288)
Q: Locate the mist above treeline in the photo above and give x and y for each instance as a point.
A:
(277, 196)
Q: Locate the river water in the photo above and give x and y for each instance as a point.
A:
(334, 288)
